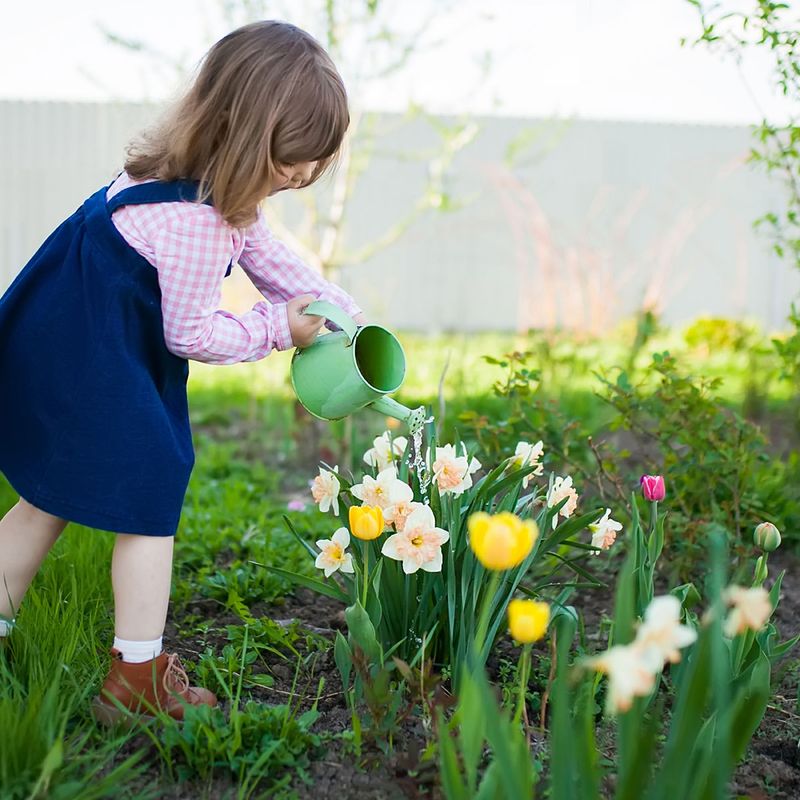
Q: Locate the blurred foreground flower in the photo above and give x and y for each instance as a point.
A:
(453, 473)
(325, 490)
(661, 635)
(528, 620)
(632, 668)
(653, 488)
(528, 455)
(419, 545)
(366, 522)
(767, 537)
(562, 487)
(751, 608)
(501, 541)
(333, 557)
(385, 450)
(629, 675)
(604, 531)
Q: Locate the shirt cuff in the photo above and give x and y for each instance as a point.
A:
(280, 323)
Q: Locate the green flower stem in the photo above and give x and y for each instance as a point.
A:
(653, 516)
(523, 670)
(366, 572)
(486, 607)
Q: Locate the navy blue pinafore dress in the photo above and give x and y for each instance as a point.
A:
(94, 422)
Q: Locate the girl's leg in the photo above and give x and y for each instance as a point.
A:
(141, 573)
(26, 536)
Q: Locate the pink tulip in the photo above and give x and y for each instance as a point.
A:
(296, 505)
(653, 487)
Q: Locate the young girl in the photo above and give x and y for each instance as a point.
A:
(96, 330)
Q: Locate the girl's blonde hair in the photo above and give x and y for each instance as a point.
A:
(266, 94)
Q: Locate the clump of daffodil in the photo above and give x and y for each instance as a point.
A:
(501, 541)
(366, 522)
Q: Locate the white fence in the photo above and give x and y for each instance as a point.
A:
(595, 220)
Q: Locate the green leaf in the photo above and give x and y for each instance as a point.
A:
(328, 589)
(343, 657)
(362, 632)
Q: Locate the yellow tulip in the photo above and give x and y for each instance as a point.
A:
(501, 541)
(528, 620)
(366, 522)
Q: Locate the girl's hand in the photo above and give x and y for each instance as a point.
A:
(303, 327)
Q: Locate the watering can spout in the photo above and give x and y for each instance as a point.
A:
(414, 418)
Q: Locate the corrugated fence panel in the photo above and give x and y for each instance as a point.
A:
(52, 156)
(594, 221)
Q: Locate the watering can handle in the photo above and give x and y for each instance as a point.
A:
(322, 308)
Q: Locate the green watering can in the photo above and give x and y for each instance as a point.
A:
(356, 367)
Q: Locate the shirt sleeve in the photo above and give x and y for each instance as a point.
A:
(192, 251)
(279, 274)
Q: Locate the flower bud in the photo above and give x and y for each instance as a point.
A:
(760, 573)
(366, 522)
(653, 488)
(527, 620)
(767, 537)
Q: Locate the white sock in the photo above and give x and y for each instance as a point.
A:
(6, 627)
(138, 652)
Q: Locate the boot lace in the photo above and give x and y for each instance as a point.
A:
(175, 678)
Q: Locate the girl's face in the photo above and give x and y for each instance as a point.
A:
(292, 176)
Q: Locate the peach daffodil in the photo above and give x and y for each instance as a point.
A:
(366, 522)
(604, 531)
(501, 541)
(562, 487)
(383, 491)
(398, 513)
(385, 449)
(453, 472)
(419, 544)
(325, 490)
(528, 455)
(751, 608)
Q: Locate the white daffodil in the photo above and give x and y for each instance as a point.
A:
(562, 487)
(528, 455)
(751, 608)
(325, 490)
(604, 531)
(661, 636)
(629, 675)
(384, 491)
(385, 449)
(453, 473)
(419, 544)
(332, 555)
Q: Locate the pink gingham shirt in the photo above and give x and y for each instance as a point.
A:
(191, 246)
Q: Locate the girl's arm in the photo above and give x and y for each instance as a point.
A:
(191, 253)
(279, 274)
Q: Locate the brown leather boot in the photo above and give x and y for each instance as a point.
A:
(158, 684)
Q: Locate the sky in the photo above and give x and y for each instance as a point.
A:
(595, 59)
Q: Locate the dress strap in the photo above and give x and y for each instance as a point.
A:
(156, 192)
